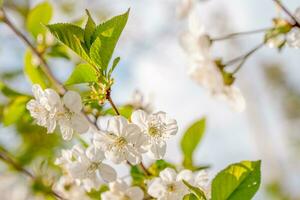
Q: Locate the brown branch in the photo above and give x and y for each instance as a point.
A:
(5, 156)
(45, 67)
(296, 23)
(108, 97)
(145, 169)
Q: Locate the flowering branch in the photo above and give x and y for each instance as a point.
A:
(231, 35)
(287, 12)
(243, 58)
(45, 67)
(4, 155)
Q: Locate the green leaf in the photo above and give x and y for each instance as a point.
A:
(190, 141)
(89, 30)
(83, 73)
(196, 191)
(159, 166)
(125, 111)
(190, 197)
(39, 15)
(8, 92)
(238, 181)
(58, 50)
(105, 38)
(137, 175)
(14, 111)
(115, 63)
(33, 72)
(72, 36)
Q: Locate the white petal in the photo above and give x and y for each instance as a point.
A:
(168, 175)
(108, 195)
(157, 150)
(116, 125)
(107, 172)
(133, 156)
(156, 188)
(72, 101)
(52, 99)
(94, 154)
(79, 123)
(66, 131)
(118, 186)
(186, 175)
(37, 91)
(140, 118)
(135, 193)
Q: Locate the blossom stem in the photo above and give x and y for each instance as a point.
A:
(243, 58)
(231, 35)
(145, 169)
(296, 23)
(45, 67)
(5, 156)
(112, 103)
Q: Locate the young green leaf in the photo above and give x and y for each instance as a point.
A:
(89, 30)
(72, 36)
(237, 181)
(33, 72)
(159, 166)
(196, 191)
(125, 111)
(105, 38)
(39, 15)
(15, 110)
(115, 63)
(83, 73)
(190, 197)
(190, 141)
(8, 92)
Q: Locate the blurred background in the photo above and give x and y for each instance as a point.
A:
(153, 63)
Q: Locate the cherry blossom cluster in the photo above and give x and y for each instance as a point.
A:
(120, 141)
(203, 68)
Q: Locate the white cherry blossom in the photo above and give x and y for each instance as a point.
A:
(119, 190)
(195, 41)
(167, 186)
(198, 179)
(87, 167)
(157, 127)
(44, 107)
(121, 141)
(70, 118)
(49, 110)
(67, 188)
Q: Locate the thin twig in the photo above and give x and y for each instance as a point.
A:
(231, 35)
(287, 12)
(108, 97)
(45, 67)
(245, 56)
(5, 156)
(145, 169)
